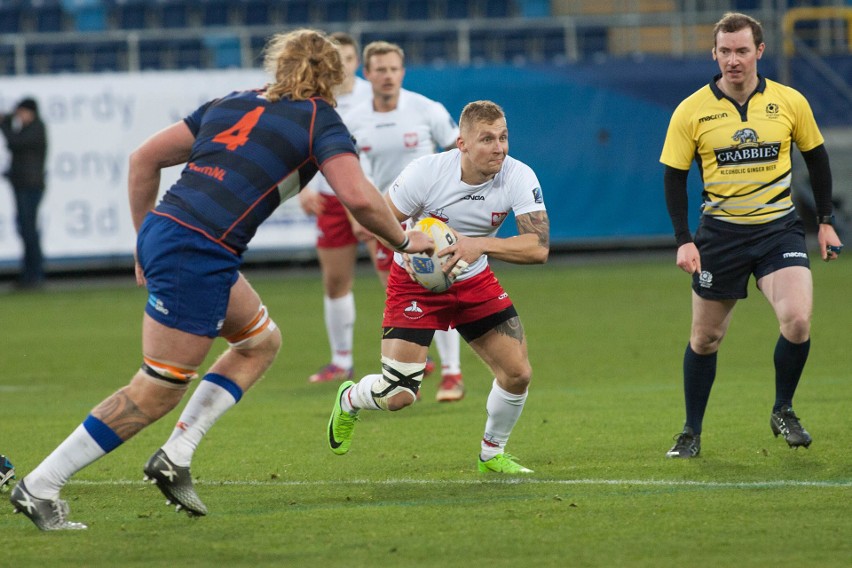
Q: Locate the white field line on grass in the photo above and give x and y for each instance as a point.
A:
(778, 483)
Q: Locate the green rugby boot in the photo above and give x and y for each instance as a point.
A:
(341, 424)
(502, 463)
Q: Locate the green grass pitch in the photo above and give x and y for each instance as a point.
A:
(606, 337)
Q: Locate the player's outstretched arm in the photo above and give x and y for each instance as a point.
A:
(368, 207)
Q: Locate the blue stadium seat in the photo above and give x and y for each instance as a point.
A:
(49, 16)
(90, 18)
(51, 58)
(130, 14)
(7, 60)
(109, 56)
(553, 44)
(592, 41)
(224, 51)
(482, 46)
(336, 10)
(376, 10)
(534, 8)
(10, 18)
(259, 12)
(415, 10)
(516, 45)
(497, 9)
(215, 12)
(257, 43)
(171, 54)
(173, 13)
(439, 46)
(459, 9)
(297, 11)
(188, 54)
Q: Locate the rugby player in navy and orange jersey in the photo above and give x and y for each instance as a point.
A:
(245, 154)
(740, 128)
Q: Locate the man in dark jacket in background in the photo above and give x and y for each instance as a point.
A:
(27, 141)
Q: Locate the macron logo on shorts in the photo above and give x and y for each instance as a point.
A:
(794, 255)
(158, 305)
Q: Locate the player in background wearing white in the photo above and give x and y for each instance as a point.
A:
(337, 245)
(395, 128)
(472, 188)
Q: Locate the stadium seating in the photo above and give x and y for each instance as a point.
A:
(430, 31)
(7, 60)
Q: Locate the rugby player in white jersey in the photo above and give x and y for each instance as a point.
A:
(337, 244)
(472, 188)
(396, 127)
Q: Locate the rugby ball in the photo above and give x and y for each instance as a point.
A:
(428, 270)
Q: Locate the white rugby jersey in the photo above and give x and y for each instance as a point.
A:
(431, 186)
(388, 141)
(361, 93)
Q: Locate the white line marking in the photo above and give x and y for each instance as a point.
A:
(779, 483)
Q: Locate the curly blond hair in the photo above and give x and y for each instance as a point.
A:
(304, 63)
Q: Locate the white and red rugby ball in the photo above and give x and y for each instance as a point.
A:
(428, 270)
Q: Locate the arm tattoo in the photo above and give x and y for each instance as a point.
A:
(512, 328)
(122, 415)
(536, 223)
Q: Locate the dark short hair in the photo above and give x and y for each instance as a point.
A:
(733, 22)
(343, 38)
(29, 103)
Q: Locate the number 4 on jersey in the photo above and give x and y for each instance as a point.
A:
(238, 134)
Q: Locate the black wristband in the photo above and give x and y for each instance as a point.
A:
(403, 245)
(825, 220)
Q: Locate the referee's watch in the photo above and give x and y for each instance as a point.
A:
(825, 220)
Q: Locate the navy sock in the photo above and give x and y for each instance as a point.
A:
(699, 372)
(790, 361)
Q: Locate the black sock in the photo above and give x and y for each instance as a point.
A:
(699, 372)
(790, 360)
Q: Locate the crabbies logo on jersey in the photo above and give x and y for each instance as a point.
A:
(497, 218)
(748, 150)
(410, 139)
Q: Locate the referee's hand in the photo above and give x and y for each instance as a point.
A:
(688, 258)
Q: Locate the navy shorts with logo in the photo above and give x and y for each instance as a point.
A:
(189, 277)
(731, 253)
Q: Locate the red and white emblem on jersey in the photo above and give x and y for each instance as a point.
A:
(413, 311)
(497, 217)
(410, 139)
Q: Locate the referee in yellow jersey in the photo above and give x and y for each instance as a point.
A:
(740, 129)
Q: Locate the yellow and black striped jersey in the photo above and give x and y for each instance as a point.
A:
(743, 152)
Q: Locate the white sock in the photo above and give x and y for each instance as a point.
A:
(504, 409)
(214, 396)
(76, 452)
(447, 343)
(360, 395)
(339, 325)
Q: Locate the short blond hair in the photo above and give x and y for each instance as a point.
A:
(381, 48)
(480, 111)
(304, 63)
